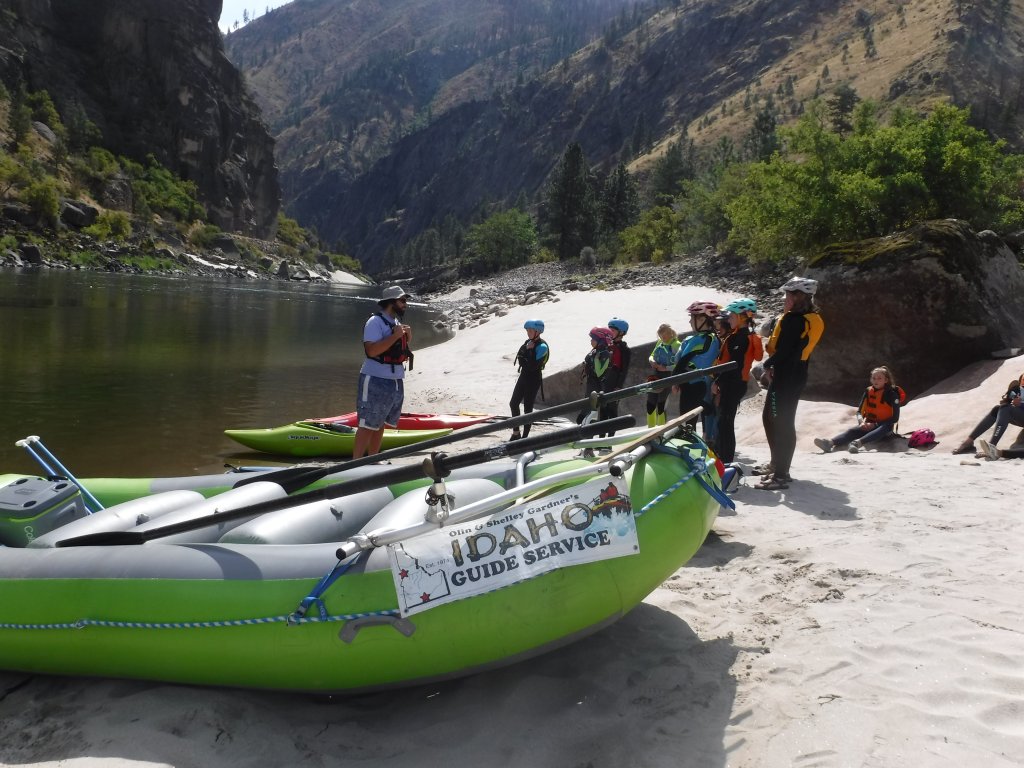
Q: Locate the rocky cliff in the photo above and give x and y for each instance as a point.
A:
(926, 302)
(152, 75)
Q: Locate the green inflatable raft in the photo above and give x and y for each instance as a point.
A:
(391, 586)
(308, 439)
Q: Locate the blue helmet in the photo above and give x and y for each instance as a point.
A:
(534, 325)
(741, 307)
(618, 324)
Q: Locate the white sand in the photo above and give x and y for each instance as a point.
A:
(871, 615)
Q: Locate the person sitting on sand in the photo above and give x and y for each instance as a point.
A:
(878, 413)
(662, 360)
(1008, 411)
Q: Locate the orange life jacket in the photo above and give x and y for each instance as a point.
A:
(874, 408)
(755, 351)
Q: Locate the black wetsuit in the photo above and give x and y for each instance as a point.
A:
(788, 363)
(531, 362)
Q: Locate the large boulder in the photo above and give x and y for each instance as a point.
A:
(925, 302)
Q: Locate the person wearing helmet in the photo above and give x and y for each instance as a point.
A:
(621, 356)
(789, 348)
(699, 350)
(741, 346)
(596, 371)
(531, 359)
(381, 390)
(662, 360)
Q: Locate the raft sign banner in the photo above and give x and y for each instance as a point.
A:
(583, 524)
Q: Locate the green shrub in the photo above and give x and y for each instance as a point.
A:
(157, 190)
(203, 236)
(289, 232)
(111, 225)
(43, 197)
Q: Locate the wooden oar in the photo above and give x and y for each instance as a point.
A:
(435, 466)
(293, 478)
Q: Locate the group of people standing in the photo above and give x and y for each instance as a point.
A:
(718, 335)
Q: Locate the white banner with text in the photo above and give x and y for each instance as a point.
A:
(588, 522)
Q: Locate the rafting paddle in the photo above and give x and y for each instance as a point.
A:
(294, 478)
(435, 466)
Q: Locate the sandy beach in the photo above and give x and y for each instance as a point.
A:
(870, 615)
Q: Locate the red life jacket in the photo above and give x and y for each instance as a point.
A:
(397, 353)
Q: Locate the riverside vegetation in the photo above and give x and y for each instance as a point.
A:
(838, 174)
(67, 201)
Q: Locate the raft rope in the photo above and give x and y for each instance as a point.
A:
(288, 618)
(698, 468)
(316, 596)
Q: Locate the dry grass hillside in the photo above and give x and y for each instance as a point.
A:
(925, 51)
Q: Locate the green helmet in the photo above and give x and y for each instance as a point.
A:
(742, 307)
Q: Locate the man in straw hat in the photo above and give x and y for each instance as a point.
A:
(381, 391)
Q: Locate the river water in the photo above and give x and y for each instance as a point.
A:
(139, 376)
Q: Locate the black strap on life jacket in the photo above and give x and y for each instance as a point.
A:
(397, 353)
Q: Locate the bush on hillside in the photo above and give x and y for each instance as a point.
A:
(825, 187)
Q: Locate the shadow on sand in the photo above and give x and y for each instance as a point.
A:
(804, 496)
(645, 691)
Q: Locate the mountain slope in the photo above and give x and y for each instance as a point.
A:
(705, 66)
(152, 75)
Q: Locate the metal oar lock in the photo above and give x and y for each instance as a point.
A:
(439, 501)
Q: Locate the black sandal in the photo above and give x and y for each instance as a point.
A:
(967, 446)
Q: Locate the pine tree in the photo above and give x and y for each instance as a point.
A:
(762, 141)
(571, 204)
(620, 201)
(840, 108)
(672, 169)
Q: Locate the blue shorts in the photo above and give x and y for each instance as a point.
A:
(379, 401)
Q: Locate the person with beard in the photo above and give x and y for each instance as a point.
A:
(381, 389)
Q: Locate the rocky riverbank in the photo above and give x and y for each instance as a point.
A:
(469, 303)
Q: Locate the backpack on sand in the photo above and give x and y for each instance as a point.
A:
(920, 438)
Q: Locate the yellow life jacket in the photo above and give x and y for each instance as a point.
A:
(814, 326)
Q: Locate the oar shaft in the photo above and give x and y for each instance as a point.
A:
(437, 465)
(594, 402)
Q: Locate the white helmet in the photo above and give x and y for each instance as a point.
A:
(801, 284)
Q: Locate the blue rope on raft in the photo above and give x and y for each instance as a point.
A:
(698, 468)
(315, 598)
(288, 618)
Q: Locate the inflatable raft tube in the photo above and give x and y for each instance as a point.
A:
(225, 614)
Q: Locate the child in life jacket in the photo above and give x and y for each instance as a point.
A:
(878, 413)
(741, 346)
(597, 369)
(621, 355)
(699, 350)
(662, 360)
(531, 359)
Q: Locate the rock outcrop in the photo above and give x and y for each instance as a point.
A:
(152, 75)
(925, 302)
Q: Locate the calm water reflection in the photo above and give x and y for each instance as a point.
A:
(138, 376)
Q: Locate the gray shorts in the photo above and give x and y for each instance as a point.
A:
(379, 401)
